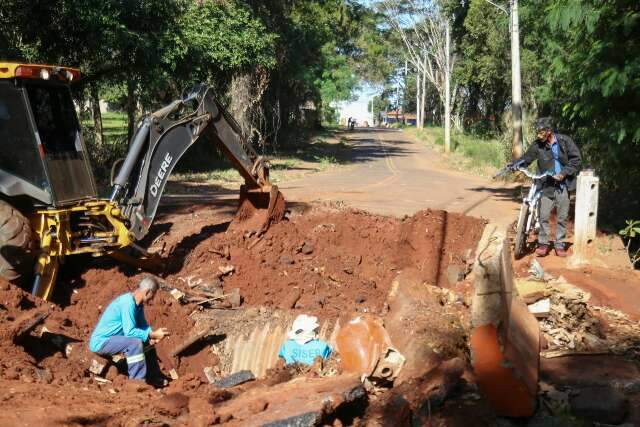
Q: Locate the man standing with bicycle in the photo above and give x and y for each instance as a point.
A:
(558, 154)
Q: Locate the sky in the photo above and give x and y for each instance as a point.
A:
(358, 108)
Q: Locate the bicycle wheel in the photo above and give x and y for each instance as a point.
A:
(521, 232)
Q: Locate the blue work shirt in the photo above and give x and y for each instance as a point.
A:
(555, 150)
(123, 317)
(292, 352)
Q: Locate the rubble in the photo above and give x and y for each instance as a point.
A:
(244, 291)
(235, 379)
(600, 404)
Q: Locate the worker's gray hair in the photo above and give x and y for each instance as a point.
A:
(148, 283)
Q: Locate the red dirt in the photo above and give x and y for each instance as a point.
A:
(341, 262)
(338, 261)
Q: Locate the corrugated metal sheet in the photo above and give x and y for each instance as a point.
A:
(258, 350)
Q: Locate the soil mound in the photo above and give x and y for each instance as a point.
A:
(333, 262)
(330, 263)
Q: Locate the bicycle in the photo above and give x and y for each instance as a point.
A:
(528, 217)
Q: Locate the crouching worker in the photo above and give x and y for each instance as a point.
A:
(303, 345)
(122, 328)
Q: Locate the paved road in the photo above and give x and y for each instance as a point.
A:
(393, 175)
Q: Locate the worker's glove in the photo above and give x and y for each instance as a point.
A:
(558, 177)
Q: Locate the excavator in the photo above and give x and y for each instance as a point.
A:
(49, 204)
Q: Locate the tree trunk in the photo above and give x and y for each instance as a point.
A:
(516, 102)
(97, 115)
(447, 96)
(131, 108)
(418, 91)
(242, 100)
(423, 91)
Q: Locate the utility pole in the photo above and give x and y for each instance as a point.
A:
(516, 84)
(447, 95)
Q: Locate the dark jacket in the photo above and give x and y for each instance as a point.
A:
(568, 155)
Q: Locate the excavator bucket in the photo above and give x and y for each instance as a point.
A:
(259, 208)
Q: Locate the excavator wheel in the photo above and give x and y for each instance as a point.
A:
(258, 209)
(16, 242)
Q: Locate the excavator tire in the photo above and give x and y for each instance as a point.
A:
(16, 242)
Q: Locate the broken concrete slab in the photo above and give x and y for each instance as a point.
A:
(235, 379)
(540, 308)
(299, 402)
(505, 341)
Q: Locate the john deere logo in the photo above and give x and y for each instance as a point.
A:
(162, 173)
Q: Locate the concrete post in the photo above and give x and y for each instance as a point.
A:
(586, 217)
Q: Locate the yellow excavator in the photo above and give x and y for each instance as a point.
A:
(49, 207)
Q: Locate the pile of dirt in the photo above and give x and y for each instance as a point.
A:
(333, 262)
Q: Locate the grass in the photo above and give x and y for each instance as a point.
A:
(114, 127)
(230, 175)
(307, 150)
(468, 152)
(325, 162)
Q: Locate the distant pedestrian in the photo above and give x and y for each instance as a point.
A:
(122, 328)
(558, 154)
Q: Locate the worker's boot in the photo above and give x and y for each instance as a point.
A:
(561, 250)
(542, 250)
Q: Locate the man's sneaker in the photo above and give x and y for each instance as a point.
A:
(561, 250)
(542, 250)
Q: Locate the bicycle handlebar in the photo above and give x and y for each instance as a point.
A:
(507, 169)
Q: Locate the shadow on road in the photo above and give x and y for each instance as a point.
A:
(513, 194)
(357, 146)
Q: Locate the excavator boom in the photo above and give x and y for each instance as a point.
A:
(161, 140)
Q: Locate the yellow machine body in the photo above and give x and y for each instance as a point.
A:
(94, 227)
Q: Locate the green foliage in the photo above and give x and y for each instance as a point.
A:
(632, 230)
(222, 36)
(484, 67)
(336, 81)
(594, 79)
(470, 152)
(631, 233)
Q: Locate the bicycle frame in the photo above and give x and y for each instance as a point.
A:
(529, 212)
(533, 199)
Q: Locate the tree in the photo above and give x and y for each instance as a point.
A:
(483, 67)
(593, 83)
(423, 28)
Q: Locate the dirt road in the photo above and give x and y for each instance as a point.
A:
(393, 175)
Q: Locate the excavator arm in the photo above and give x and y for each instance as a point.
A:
(161, 140)
(103, 227)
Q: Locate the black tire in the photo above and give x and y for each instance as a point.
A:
(521, 233)
(16, 242)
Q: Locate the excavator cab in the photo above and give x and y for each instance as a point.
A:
(44, 160)
(49, 208)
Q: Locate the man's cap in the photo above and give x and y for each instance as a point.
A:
(544, 123)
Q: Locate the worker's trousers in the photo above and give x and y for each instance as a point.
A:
(133, 349)
(559, 200)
